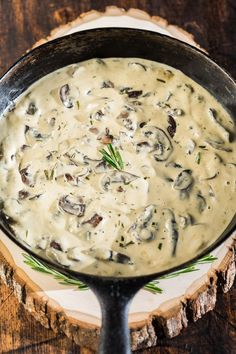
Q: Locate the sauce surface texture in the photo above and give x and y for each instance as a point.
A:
(173, 195)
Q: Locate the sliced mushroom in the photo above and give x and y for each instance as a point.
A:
(64, 96)
(23, 194)
(173, 164)
(94, 220)
(35, 134)
(218, 144)
(138, 64)
(224, 132)
(97, 115)
(214, 175)
(172, 126)
(101, 167)
(32, 109)
(26, 177)
(155, 141)
(107, 84)
(117, 177)
(104, 254)
(1, 151)
(143, 229)
(186, 220)
(143, 146)
(134, 94)
(76, 179)
(55, 245)
(201, 201)
(106, 138)
(172, 229)
(58, 256)
(72, 205)
(184, 180)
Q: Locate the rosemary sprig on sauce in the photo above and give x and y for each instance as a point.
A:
(113, 157)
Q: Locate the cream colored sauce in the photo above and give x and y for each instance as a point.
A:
(51, 151)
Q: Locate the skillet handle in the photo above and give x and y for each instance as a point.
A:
(115, 336)
(115, 297)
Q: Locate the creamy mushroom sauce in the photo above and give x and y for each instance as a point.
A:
(175, 195)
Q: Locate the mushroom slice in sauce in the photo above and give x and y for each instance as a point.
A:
(32, 109)
(172, 229)
(23, 194)
(117, 177)
(218, 144)
(142, 230)
(58, 256)
(224, 132)
(155, 141)
(106, 138)
(184, 180)
(186, 220)
(27, 177)
(172, 126)
(201, 201)
(72, 205)
(101, 167)
(64, 96)
(104, 254)
(35, 133)
(94, 220)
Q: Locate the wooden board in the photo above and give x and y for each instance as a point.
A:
(42, 297)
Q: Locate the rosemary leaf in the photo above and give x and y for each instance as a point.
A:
(112, 157)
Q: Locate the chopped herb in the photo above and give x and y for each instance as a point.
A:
(161, 80)
(49, 175)
(46, 174)
(112, 157)
(198, 158)
(160, 246)
(78, 104)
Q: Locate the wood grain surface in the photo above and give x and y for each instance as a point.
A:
(212, 22)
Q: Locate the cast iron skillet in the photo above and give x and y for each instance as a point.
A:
(115, 294)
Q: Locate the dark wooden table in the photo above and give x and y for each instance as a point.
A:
(213, 23)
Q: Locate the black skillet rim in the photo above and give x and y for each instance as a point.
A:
(75, 274)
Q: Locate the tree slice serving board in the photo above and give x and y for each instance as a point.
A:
(164, 307)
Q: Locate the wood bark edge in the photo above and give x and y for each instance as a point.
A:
(116, 11)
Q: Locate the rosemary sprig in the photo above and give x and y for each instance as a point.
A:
(191, 268)
(43, 268)
(113, 157)
(151, 286)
